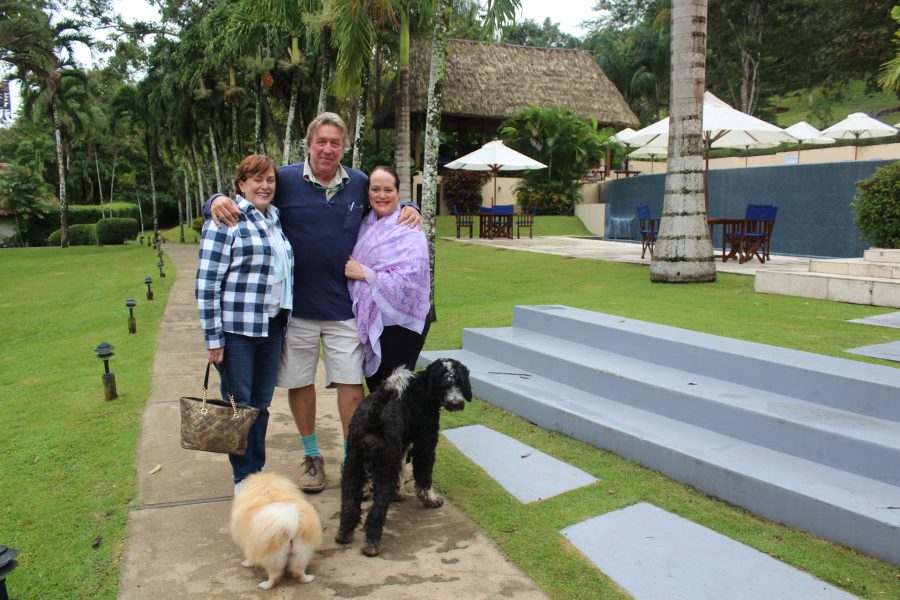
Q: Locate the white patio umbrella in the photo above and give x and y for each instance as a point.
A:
(856, 126)
(620, 137)
(723, 127)
(651, 152)
(807, 134)
(495, 157)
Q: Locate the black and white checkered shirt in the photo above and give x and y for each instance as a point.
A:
(234, 276)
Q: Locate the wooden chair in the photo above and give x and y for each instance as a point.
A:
(500, 221)
(759, 220)
(463, 221)
(525, 219)
(649, 228)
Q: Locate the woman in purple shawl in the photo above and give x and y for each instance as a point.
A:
(389, 283)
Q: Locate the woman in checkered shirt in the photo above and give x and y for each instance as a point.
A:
(245, 294)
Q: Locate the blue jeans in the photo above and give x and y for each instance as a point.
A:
(252, 365)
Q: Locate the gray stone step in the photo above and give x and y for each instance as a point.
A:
(827, 502)
(861, 444)
(822, 286)
(861, 388)
(856, 268)
(890, 255)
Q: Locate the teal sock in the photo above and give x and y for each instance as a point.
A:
(310, 445)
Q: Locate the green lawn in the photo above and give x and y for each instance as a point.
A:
(68, 456)
(68, 465)
(855, 99)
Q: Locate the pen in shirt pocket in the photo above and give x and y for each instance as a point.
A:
(352, 204)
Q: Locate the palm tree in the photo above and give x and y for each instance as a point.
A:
(498, 13)
(41, 62)
(683, 253)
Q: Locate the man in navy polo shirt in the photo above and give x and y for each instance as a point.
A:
(321, 204)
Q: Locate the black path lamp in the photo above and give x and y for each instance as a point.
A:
(105, 352)
(159, 252)
(159, 264)
(148, 281)
(8, 564)
(132, 324)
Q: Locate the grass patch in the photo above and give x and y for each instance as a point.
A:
(68, 471)
(495, 280)
(68, 457)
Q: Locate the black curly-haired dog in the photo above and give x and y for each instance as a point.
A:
(401, 416)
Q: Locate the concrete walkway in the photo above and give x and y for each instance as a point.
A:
(178, 543)
(628, 252)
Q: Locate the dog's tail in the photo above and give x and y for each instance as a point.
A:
(273, 527)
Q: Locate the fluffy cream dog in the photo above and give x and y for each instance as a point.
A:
(275, 527)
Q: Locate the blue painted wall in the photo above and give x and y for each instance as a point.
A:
(814, 213)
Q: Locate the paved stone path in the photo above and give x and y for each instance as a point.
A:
(178, 543)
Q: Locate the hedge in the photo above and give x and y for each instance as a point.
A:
(80, 234)
(40, 229)
(116, 231)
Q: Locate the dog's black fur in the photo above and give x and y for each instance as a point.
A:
(402, 415)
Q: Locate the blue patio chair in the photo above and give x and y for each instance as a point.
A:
(757, 235)
(525, 219)
(463, 221)
(649, 228)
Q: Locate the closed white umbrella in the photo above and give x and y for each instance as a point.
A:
(495, 157)
(859, 126)
(620, 137)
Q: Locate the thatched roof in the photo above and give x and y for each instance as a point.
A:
(494, 81)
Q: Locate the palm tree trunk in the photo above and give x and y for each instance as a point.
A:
(153, 200)
(61, 173)
(683, 253)
(361, 107)
(433, 133)
(402, 152)
(100, 184)
(273, 124)
(112, 177)
(178, 204)
(292, 111)
(257, 118)
(325, 61)
(215, 156)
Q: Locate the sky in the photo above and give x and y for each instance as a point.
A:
(568, 13)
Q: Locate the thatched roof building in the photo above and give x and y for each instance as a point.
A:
(485, 83)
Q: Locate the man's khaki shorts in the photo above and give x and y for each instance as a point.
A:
(300, 353)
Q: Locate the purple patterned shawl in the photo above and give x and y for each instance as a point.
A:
(399, 257)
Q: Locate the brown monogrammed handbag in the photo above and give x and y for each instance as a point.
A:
(215, 425)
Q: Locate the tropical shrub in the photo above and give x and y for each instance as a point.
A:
(197, 224)
(877, 206)
(116, 230)
(463, 188)
(24, 192)
(566, 143)
(80, 234)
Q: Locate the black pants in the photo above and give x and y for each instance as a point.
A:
(399, 347)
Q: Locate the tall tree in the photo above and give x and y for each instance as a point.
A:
(683, 252)
(41, 66)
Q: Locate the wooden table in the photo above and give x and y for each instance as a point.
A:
(732, 227)
(492, 224)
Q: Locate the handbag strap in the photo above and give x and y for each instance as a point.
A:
(203, 409)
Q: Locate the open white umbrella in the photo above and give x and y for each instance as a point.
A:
(651, 152)
(621, 138)
(807, 134)
(495, 157)
(723, 127)
(859, 126)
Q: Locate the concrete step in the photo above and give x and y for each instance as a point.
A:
(856, 268)
(827, 502)
(890, 255)
(856, 387)
(822, 286)
(860, 444)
